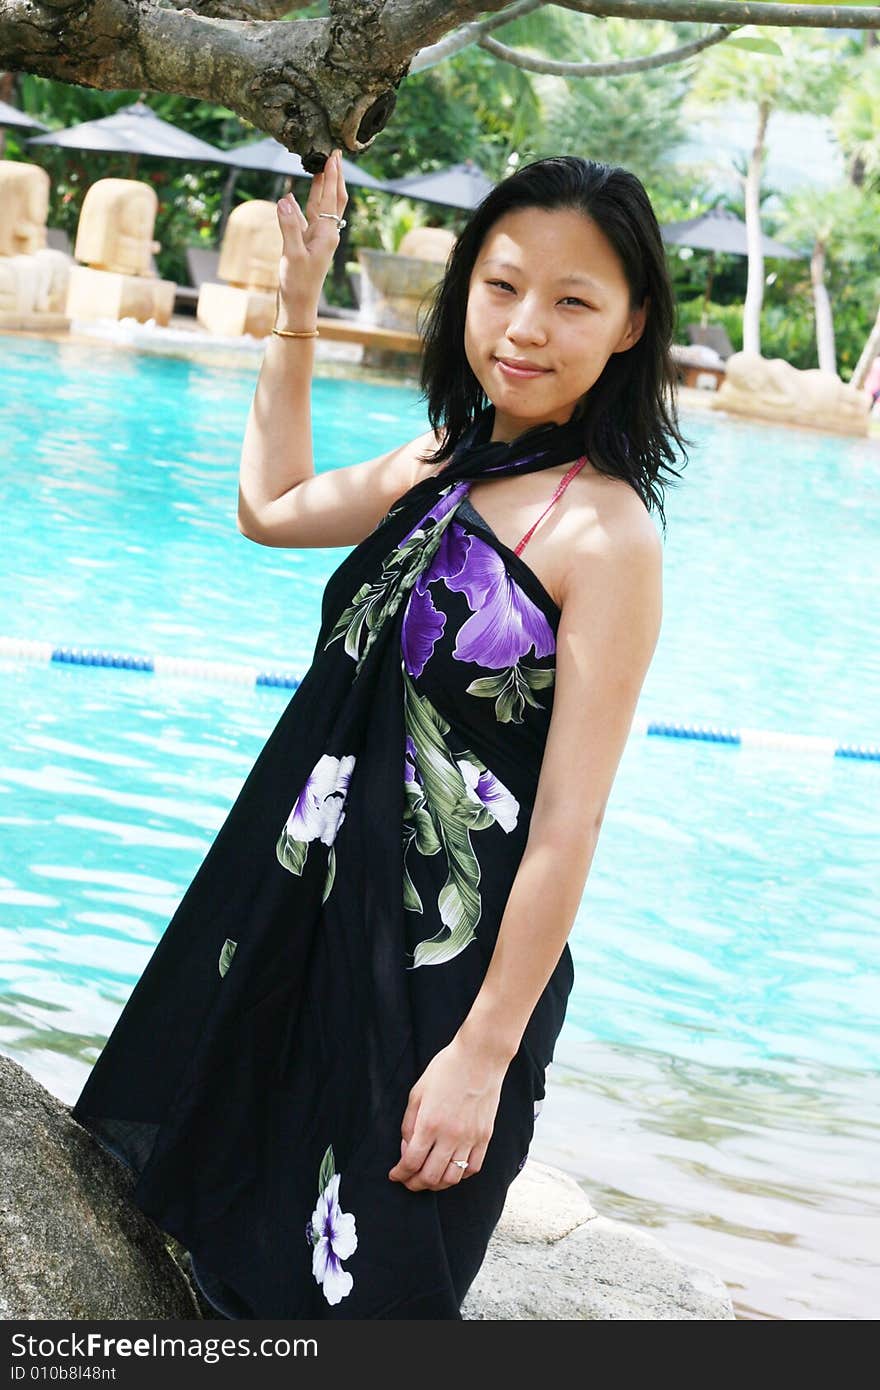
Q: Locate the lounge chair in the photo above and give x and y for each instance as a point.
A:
(713, 335)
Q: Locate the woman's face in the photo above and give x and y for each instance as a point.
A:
(547, 289)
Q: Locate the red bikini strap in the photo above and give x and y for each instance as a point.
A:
(575, 468)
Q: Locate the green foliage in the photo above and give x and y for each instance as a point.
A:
(788, 328)
(631, 120)
(474, 106)
(806, 74)
(857, 116)
(755, 45)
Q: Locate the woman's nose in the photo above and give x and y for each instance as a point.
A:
(527, 322)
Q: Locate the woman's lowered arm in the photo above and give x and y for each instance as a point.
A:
(607, 635)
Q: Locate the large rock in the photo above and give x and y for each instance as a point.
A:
(770, 388)
(72, 1243)
(74, 1246)
(553, 1257)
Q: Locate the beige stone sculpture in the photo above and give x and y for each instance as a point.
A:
(34, 286)
(772, 389)
(33, 277)
(114, 243)
(427, 243)
(24, 207)
(396, 287)
(249, 258)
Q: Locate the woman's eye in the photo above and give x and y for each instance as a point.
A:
(570, 298)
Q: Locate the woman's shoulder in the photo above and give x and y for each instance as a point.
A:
(425, 444)
(607, 523)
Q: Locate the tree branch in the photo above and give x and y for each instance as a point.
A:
(612, 69)
(468, 34)
(737, 12)
(296, 81)
(409, 25)
(316, 83)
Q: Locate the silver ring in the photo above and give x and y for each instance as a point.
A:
(340, 221)
(459, 1162)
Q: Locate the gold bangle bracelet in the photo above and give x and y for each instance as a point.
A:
(291, 332)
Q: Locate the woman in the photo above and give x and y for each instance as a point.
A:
(327, 1076)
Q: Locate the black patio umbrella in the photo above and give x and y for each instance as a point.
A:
(135, 130)
(271, 156)
(459, 186)
(719, 229)
(11, 116)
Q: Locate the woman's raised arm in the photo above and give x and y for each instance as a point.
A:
(281, 501)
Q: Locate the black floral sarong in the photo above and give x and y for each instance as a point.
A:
(339, 929)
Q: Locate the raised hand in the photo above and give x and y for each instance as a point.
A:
(310, 240)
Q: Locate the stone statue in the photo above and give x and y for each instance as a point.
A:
(252, 246)
(34, 285)
(24, 207)
(249, 261)
(33, 277)
(773, 389)
(427, 243)
(114, 243)
(115, 230)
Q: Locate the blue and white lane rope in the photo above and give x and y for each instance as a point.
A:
(221, 672)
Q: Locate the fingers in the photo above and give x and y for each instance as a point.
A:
(326, 195)
(426, 1164)
(292, 221)
(438, 1171)
(333, 194)
(328, 177)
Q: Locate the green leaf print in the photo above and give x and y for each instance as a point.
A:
(373, 604)
(331, 873)
(453, 813)
(512, 690)
(291, 853)
(226, 955)
(327, 1169)
(411, 900)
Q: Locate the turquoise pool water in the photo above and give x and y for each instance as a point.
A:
(718, 1073)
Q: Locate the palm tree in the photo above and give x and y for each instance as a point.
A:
(803, 74)
(840, 223)
(856, 118)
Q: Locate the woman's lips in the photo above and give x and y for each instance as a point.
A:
(521, 373)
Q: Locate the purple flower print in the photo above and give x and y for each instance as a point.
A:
(486, 790)
(505, 624)
(422, 623)
(411, 774)
(333, 1233)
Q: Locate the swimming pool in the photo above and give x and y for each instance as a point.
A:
(717, 1076)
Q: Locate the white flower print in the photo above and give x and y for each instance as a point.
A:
(334, 1238)
(486, 789)
(317, 813)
